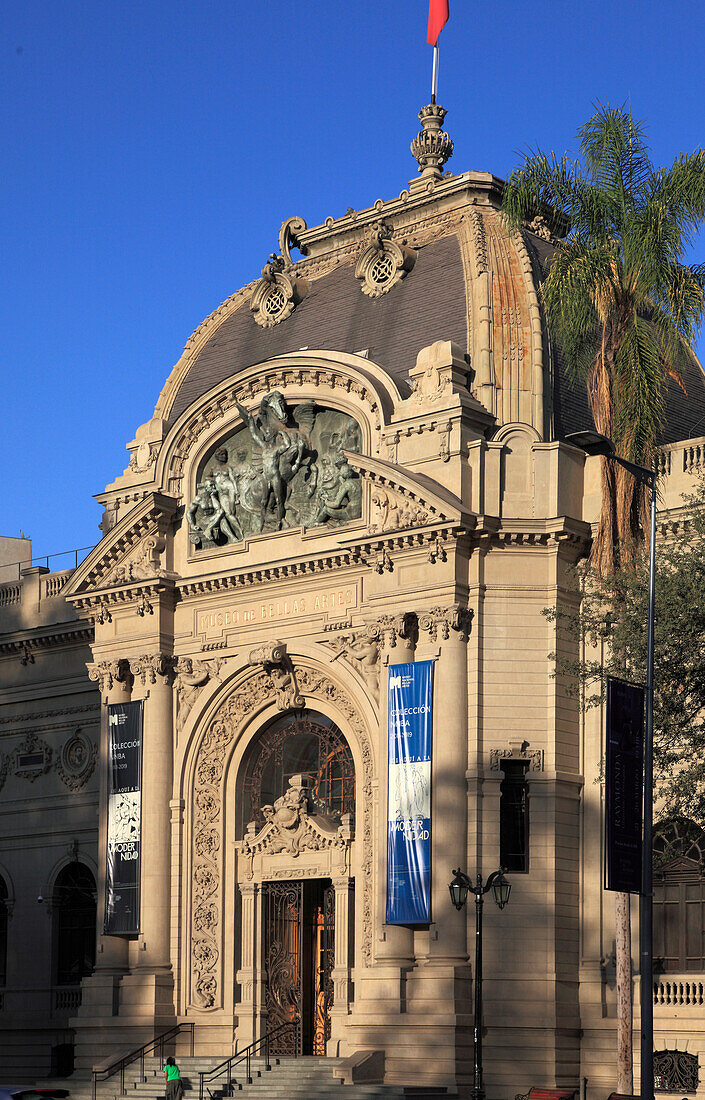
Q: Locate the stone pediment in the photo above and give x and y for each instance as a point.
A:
(131, 552)
(291, 829)
(401, 499)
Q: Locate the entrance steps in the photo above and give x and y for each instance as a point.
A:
(304, 1078)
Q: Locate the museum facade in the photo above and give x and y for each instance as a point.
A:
(357, 463)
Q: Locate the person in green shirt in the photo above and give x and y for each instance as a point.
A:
(174, 1086)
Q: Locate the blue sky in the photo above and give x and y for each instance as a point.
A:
(151, 151)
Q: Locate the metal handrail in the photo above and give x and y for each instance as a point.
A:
(122, 1063)
(244, 1055)
(46, 558)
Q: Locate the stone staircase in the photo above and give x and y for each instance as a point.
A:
(305, 1078)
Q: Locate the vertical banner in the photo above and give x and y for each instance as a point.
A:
(409, 793)
(624, 755)
(122, 872)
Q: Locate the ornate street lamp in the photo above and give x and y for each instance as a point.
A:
(459, 888)
(595, 444)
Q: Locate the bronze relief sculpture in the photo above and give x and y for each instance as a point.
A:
(284, 468)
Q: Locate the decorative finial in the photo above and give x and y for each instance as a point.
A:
(432, 147)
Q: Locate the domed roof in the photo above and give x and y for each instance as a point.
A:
(464, 278)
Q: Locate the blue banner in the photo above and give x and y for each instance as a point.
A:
(409, 793)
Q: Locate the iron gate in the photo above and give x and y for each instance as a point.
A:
(299, 954)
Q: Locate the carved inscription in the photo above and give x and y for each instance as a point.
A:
(332, 601)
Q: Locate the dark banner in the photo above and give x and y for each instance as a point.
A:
(122, 873)
(624, 756)
(409, 793)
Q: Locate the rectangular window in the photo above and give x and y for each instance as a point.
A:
(514, 817)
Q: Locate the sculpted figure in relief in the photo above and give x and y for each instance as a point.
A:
(283, 469)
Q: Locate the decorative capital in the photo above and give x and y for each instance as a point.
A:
(439, 621)
(152, 666)
(432, 147)
(108, 673)
(393, 627)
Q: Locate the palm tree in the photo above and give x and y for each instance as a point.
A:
(620, 302)
(624, 309)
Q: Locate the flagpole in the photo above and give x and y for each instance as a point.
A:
(434, 78)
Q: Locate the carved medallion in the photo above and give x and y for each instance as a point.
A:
(383, 263)
(277, 294)
(76, 761)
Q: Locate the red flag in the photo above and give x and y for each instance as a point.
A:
(437, 18)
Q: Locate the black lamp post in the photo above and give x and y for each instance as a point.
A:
(595, 444)
(501, 890)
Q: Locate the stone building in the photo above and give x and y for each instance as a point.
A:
(356, 463)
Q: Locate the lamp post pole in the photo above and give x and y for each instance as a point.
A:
(595, 444)
(646, 908)
(459, 889)
(478, 1091)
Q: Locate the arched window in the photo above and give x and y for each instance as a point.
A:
(3, 931)
(75, 923)
(679, 896)
(298, 744)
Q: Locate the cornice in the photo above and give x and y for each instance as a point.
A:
(27, 641)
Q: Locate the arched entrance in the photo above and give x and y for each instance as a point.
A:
(297, 798)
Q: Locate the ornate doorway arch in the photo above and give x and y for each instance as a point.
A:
(296, 880)
(218, 765)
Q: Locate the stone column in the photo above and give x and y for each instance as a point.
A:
(115, 681)
(156, 674)
(341, 967)
(449, 821)
(395, 944)
(439, 987)
(147, 992)
(246, 976)
(100, 991)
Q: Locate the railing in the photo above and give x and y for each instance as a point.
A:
(244, 1056)
(9, 594)
(55, 582)
(67, 1000)
(128, 1059)
(679, 992)
(75, 557)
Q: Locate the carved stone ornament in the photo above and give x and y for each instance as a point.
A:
(152, 666)
(289, 237)
(76, 761)
(393, 627)
(390, 511)
(4, 768)
(208, 801)
(517, 751)
(31, 758)
(275, 661)
(284, 468)
(384, 262)
(439, 621)
(107, 673)
(142, 564)
(432, 147)
(277, 294)
(289, 828)
(191, 676)
(361, 649)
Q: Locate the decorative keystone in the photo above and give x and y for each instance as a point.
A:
(432, 147)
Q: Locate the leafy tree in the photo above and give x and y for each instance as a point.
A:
(621, 303)
(612, 620)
